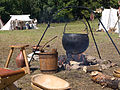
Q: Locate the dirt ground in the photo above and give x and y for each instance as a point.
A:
(78, 79)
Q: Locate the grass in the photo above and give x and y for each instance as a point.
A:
(77, 78)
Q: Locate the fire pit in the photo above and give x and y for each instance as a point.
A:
(75, 43)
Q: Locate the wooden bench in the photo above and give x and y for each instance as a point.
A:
(8, 77)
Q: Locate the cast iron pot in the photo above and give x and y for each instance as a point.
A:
(75, 43)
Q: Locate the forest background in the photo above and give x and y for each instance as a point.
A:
(43, 10)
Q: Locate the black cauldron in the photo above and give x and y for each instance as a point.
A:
(75, 43)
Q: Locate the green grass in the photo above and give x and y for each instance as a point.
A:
(32, 37)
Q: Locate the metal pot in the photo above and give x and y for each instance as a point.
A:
(75, 43)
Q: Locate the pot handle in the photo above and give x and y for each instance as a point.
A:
(86, 27)
(65, 27)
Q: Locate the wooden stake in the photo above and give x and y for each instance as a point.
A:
(9, 56)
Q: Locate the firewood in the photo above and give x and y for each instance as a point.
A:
(92, 68)
(105, 80)
(74, 62)
(116, 73)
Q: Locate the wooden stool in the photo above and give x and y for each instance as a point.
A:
(8, 77)
(22, 47)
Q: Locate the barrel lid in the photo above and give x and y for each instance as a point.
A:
(48, 52)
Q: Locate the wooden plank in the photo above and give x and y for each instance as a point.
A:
(9, 80)
(18, 46)
(7, 72)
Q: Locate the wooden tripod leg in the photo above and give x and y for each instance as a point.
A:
(26, 61)
(9, 56)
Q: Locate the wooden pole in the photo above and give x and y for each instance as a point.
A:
(9, 56)
(119, 17)
(26, 61)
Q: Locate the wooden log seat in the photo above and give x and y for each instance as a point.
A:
(7, 77)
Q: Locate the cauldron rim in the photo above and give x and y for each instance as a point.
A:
(74, 34)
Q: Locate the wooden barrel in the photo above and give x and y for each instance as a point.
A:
(49, 61)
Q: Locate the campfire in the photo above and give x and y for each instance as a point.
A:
(85, 62)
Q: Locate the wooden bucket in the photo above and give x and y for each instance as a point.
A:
(48, 82)
(49, 61)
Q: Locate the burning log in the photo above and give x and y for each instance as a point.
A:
(105, 80)
(92, 68)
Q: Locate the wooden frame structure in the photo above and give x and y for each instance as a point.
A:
(22, 47)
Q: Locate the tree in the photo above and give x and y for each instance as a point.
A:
(44, 10)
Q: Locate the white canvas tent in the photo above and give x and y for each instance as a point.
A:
(14, 17)
(109, 19)
(1, 23)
